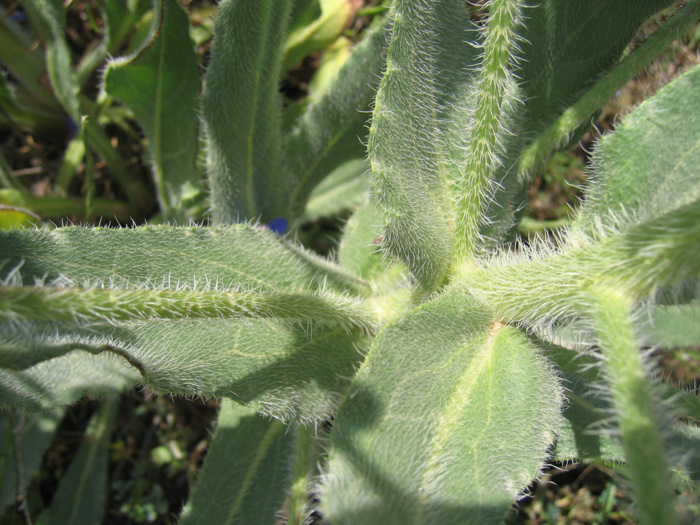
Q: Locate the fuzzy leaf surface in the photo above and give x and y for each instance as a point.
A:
(62, 381)
(161, 85)
(241, 107)
(447, 421)
(428, 64)
(246, 473)
(541, 287)
(649, 165)
(282, 369)
(239, 256)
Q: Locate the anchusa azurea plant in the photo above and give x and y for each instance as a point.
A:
(432, 368)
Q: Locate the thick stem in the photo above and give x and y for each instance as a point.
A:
(474, 188)
(35, 303)
(634, 406)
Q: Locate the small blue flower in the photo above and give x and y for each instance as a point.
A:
(278, 225)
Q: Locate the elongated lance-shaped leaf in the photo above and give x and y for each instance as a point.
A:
(649, 165)
(246, 475)
(428, 60)
(559, 133)
(82, 493)
(635, 409)
(282, 369)
(542, 287)
(24, 439)
(235, 257)
(58, 60)
(495, 92)
(241, 107)
(333, 128)
(160, 83)
(447, 421)
(63, 380)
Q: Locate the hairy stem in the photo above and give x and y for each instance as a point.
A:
(634, 408)
(97, 304)
(495, 92)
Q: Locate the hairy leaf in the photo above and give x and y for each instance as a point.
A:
(428, 65)
(236, 257)
(241, 108)
(649, 165)
(282, 369)
(333, 128)
(447, 421)
(540, 288)
(246, 474)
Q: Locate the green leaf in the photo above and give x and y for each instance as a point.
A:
(161, 85)
(566, 47)
(312, 33)
(62, 381)
(448, 420)
(246, 474)
(12, 217)
(359, 247)
(240, 256)
(82, 493)
(673, 326)
(636, 414)
(285, 370)
(648, 166)
(564, 128)
(332, 130)
(58, 58)
(23, 440)
(428, 71)
(343, 189)
(67, 303)
(122, 18)
(241, 109)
